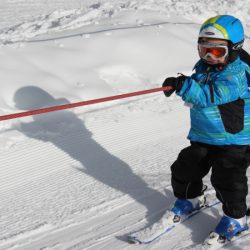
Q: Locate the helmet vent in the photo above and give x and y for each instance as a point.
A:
(209, 33)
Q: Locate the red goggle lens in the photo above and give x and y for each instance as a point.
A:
(216, 52)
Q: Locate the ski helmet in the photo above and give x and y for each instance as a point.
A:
(225, 27)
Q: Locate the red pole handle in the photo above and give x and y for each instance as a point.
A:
(78, 104)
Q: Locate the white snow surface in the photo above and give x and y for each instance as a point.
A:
(86, 177)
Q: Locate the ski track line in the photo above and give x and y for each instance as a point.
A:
(43, 153)
(109, 237)
(38, 147)
(108, 134)
(114, 205)
(19, 156)
(42, 169)
(112, 140)
(85, 237)
(85, 201)
(109, 129)
(57, 162)
(106, 241)
(128, 220)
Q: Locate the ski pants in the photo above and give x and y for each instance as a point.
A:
(228, 166)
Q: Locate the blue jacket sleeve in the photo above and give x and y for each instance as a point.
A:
(223, 89)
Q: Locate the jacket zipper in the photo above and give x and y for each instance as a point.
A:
(210, 85)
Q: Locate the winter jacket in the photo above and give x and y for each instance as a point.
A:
(220, 114)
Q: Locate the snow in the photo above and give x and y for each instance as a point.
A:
(86, 177)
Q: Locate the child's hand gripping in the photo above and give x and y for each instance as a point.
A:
(175, 82)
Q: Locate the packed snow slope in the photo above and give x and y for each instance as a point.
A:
(84, 178)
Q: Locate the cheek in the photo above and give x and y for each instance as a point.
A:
(217, 61)
(222, 60)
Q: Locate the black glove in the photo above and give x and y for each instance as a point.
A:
(175, 82)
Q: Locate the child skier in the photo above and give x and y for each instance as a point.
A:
(220, 127)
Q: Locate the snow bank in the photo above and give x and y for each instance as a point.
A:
(55, 16)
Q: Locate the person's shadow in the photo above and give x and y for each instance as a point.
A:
(95, 160)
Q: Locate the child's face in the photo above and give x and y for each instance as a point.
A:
(213, 51)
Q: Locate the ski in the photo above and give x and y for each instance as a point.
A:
(218, 245)
(162, 227)
(217, 242)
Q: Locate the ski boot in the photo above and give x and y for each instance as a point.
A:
(227, 229)
(183, 208)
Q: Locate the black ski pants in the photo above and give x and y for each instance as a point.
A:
(228, 166)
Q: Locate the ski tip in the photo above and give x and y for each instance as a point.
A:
(133, 240)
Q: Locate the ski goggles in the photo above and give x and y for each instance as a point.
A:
(213, 51)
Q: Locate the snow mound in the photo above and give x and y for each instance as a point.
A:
(58, 20)
(70, 19)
